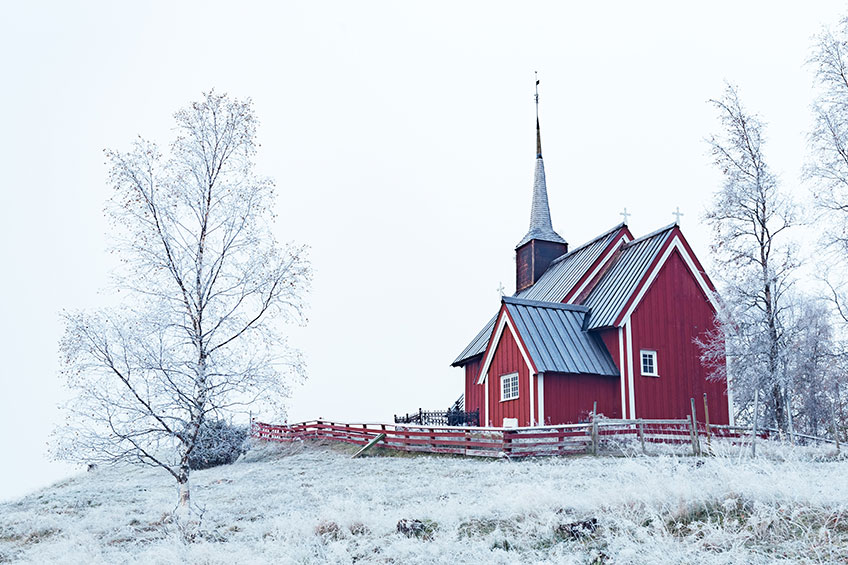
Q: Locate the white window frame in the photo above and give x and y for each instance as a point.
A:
(653, 354)
(509, 376)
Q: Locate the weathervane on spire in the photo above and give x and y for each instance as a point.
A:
(538, 133)
(537, 93)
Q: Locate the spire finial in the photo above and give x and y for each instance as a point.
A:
(626, 214)
(538, 132)
(677, 213)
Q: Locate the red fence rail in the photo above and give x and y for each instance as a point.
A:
(590, 437)
(593, 437)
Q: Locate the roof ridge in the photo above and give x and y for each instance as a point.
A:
(564, 256)
(619, 283)
(652, 234)
(544, 304)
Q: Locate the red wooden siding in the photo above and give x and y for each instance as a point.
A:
(508, 359)
(610, 338)
(570, 398)
(474, 399)
(670, 316)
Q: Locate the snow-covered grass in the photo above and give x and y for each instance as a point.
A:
(313, 504)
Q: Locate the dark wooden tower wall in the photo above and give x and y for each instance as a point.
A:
(533, 258)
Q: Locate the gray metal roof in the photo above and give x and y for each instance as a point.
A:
(555, 339)
(564, 272)
(478, 344)
(552, 286)
(617, 285)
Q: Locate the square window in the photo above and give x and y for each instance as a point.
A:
(509, 386)
(649, 363)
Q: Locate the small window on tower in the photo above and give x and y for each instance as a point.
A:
(649, 364)
(509, 387)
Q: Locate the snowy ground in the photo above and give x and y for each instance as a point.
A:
(316, 505)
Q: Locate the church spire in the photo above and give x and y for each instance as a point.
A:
(540, 213)
(541, 245)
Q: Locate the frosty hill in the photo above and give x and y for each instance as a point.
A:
(311, 504)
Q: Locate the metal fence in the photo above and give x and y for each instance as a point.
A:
(452, 417)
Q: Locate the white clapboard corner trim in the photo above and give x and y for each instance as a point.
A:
(630, 380)
(623, 365)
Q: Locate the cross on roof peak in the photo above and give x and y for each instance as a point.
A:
(677, 213)
(625, 214)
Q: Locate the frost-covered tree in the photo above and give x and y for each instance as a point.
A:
(205, 291)
(749, 217)
(815, 365)
(828, 164)
(827, 171)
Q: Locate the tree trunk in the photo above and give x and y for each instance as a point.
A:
(790, 422)
(756, 410)
(185, 496)
(183, 511)
(774, 350)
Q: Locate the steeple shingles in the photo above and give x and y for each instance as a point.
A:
(540, 213)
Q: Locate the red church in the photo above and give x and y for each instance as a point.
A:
(613, 320)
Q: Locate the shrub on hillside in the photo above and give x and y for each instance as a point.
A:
(220, 443)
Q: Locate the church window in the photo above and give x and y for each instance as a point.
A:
(649, 363)
(509, 387)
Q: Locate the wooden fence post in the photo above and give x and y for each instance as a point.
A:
(642, 434)
(707, 420)
(595, 429)
(694, 429)
(420, 417)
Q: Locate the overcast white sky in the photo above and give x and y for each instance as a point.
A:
(402, 140)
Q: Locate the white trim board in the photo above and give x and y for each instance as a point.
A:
(540, 379)
(630, 379)
(486, 385)
(530, 379)
(621, 362)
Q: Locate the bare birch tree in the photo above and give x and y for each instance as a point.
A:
(749, 217)
(206, 289)
(828, 164)
(827, 171)
(816, 367)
